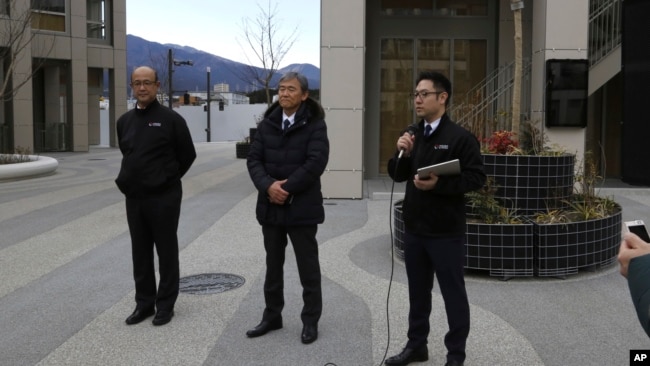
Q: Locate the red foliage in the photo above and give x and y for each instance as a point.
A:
(501, 142)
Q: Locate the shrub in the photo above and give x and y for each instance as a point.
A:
(501, 142)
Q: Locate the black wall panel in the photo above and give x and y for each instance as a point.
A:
(635, 144)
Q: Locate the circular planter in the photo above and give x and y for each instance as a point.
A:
(562, 249)
(505, 250)
(531, 183)
(39, 165)
(241, 150)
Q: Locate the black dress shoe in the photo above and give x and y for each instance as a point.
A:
(454, 363)
(409, 355)
(162, 317)
(309, 333)
(139, 315)
(264, 327)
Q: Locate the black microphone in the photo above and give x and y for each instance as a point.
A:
(411, 129)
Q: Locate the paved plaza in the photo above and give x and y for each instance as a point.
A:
(66, 282)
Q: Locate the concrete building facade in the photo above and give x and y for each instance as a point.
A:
(58, 78)
(372, 52)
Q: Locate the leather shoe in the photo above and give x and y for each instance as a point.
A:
(139, 315)
(264, 327)
(454, 363)
(409, 355)
(309, 333)
(162, 317)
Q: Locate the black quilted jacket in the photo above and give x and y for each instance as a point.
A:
(300, 155)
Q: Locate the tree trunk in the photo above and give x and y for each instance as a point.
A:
(516, 89)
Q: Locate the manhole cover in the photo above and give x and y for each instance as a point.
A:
(210, 283)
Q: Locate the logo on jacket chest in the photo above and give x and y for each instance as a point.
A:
(155, 124)
(441, 147)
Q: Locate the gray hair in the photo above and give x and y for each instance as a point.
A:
(304, 84)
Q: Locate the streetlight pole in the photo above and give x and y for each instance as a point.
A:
(207, 130)
(170, 62)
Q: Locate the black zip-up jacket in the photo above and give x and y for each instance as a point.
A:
(440, 211)
(299, 155)
(157, 150)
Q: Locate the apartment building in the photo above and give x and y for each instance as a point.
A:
(56, 73)
(572, 85)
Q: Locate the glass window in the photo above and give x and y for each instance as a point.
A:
(4, 7)
(463, 61)
(434, 54)
(6, 123)
(51, 105)
(396, 110)
(54, 6)
(445, 8)
(98, 20)
(470, 65)
(48, 15)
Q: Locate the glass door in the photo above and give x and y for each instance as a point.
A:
(402, 59)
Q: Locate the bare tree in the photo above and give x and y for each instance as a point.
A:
(262, 36)
(16, 38)
(23, 52)
(516, 6)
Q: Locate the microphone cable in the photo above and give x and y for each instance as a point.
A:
(392, 265)
(392, 259)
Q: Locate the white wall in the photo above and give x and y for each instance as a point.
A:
(560, 31)
(231, 124)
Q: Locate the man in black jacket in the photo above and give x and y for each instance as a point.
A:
(157, 150)
(287, 157)
(434, 218)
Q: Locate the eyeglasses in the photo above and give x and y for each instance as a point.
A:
(423, 94)
(146, 83)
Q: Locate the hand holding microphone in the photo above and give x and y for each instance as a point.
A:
(405, 142)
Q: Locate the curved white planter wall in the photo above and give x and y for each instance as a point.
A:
(38, 165)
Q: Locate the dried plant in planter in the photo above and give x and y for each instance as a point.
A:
(484, 207)
(20, 155)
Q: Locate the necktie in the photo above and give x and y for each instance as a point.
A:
(286, 124)
(427, 131)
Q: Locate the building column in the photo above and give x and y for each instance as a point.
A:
(342, 79)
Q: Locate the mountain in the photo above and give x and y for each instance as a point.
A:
(140, 52)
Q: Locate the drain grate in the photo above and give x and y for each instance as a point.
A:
(210, 283)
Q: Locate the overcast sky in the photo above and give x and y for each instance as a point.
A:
(215, 26)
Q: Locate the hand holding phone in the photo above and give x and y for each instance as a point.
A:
(633, 247)
(638, 227)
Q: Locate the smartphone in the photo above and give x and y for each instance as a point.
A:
(638, 227)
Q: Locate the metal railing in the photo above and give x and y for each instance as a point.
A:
(604, 28)
(487, 107)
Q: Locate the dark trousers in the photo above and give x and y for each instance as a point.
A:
(305, 246)
(424, 257)
(153, 221)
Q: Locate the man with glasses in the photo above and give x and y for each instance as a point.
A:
(434, 218)
(157, 150)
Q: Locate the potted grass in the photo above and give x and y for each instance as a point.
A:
(498, 240)
(242, 148)
(586, 234)
(561, 225)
